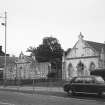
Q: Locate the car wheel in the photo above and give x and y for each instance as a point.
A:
(66, 88)
(99, 93)
(68, 93)
(72, 92)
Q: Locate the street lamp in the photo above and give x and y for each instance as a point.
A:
(5, 24)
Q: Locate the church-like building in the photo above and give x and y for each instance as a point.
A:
(84, 57)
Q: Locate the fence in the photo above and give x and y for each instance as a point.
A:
(36, 82)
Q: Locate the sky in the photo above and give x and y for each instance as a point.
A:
(29, 21)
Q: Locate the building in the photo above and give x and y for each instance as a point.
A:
(2, 62)
(22, 67)
(29, 68)
(84, 57)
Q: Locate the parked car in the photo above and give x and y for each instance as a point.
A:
(85, 84)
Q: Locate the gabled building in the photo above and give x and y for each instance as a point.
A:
(84, 57)
(28, 68)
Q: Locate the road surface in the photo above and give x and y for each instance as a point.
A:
(18, 98)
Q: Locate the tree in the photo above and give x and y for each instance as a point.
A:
(49, 51)
(54, 46)
(32, 50)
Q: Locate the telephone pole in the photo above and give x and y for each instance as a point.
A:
(5, 24)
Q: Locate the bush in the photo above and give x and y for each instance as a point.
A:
(51, 75)
(99, 72)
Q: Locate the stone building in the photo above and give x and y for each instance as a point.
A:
(22, 67)
(84, 57)
(28, 68)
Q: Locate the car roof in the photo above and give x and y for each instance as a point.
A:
(91, 76)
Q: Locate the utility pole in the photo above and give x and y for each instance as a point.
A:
(5, 24)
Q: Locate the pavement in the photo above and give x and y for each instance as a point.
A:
(31, 89)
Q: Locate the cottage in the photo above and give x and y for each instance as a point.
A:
(84, 57)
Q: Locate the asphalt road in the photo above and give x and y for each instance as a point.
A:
(18, 98)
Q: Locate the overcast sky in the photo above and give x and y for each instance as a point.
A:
(29, 21)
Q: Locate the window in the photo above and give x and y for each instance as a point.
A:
(80, 66)
(70, 70)
(99, 80)
(88, 80)
(78, 80)
(92, 66)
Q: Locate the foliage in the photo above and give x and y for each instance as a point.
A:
(49, 51)
(98, 72)
(51, 75)
(32, 50)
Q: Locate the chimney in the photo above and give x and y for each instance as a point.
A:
(0, 48)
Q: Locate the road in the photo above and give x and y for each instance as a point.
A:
(18, 98)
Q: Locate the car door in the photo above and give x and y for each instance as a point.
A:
(95, 85)
(89, 85)
(78, 85)
(98, 87)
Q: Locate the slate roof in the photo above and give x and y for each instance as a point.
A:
(9, 60)
(97, 46)
(68, 50)
(23, 59)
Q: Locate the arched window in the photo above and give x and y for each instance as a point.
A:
(70, 68)
(92, 66)
(80, 68)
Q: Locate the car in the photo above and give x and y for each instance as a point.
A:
(85, 84)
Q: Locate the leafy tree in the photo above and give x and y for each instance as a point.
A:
(32, 50)
(54, 46)
(49, 51)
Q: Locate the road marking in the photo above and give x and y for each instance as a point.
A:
(4, 103)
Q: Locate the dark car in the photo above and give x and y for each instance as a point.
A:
(85, 84)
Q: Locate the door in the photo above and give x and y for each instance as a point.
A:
(78, 85)
(89, 85)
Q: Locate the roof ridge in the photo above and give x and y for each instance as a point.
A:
(96, 45)
(95, 42)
